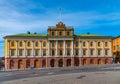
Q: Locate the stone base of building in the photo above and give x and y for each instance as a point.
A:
(21, 63)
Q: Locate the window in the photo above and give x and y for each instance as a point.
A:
(20, 43)
(98, 44)
(53, 44)
(36, 52)
(106, 44)
(53, 53)
(28, 44)
(68, 44)
(52, 33)
(76, 43)
(91, 44)
(28, 52)
(91, 52)
(12, 43)
(20, 52)
(44, 52)
(84, 52)
(36, 43)
(106, 52)
(84, 44)
(60, 33)
(99, 52)
(60, 52)
(44, 44)
(76, 53)
(68, 33)
(68, 52)
(12, 52)
(60, 43)
(91, 61)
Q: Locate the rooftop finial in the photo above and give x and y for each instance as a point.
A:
(60, 15)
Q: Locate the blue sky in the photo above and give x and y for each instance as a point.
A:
(94, 16)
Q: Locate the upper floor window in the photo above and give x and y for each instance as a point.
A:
(91, 44)
(52, 33)
(60, 52)
(53, 44)
(28, 52)
(91, 52)
(99, 52)
(106, 44)
(36, 43)
(12, 52)
(44, 52)
(98, 44)
(36, 52)
(76, 53)
(28, 44)
(20, 52)
(68, 44)
(106, 52)
(68, 33)
(12, 43)
(84, 44)
(20, 43)
(60, 43)
(60, 33)
(114, 47)
(84, 52)
(68, 52)
(44, 44)
(53, 52)
(76, 43)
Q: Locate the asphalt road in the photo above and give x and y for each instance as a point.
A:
(21, 74)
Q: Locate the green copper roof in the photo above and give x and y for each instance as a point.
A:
(29, 35)
(88, 35)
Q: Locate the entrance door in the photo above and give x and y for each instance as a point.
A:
(52, 63)
(20, 64)
(68, 62)
(84, 62)
(99, 61)
(36, 64)
(60, 63)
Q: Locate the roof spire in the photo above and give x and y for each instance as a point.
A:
(60, 15)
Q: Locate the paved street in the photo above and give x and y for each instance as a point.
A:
(79, 75)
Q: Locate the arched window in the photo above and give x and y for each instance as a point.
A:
(20, 44)
(28, 44)
(44, 44)
(98, 44)
(12, 43)
(91, 44)
(36, 43)
(84, 44)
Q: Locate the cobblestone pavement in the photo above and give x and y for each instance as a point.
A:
(101, 77)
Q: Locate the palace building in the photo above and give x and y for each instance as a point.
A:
(59, 48)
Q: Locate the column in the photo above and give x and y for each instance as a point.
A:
(103, 51)
(88, 49)
(72, 48)
(8, 49)
(32, 48)
(56, 48)
(64, 48)
(17, 48)
(25, 48)
(40, 48)
(110, 48)
(95, 46)
(48, 48)
(80, 49)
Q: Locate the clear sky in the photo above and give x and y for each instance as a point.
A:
(94, 16)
